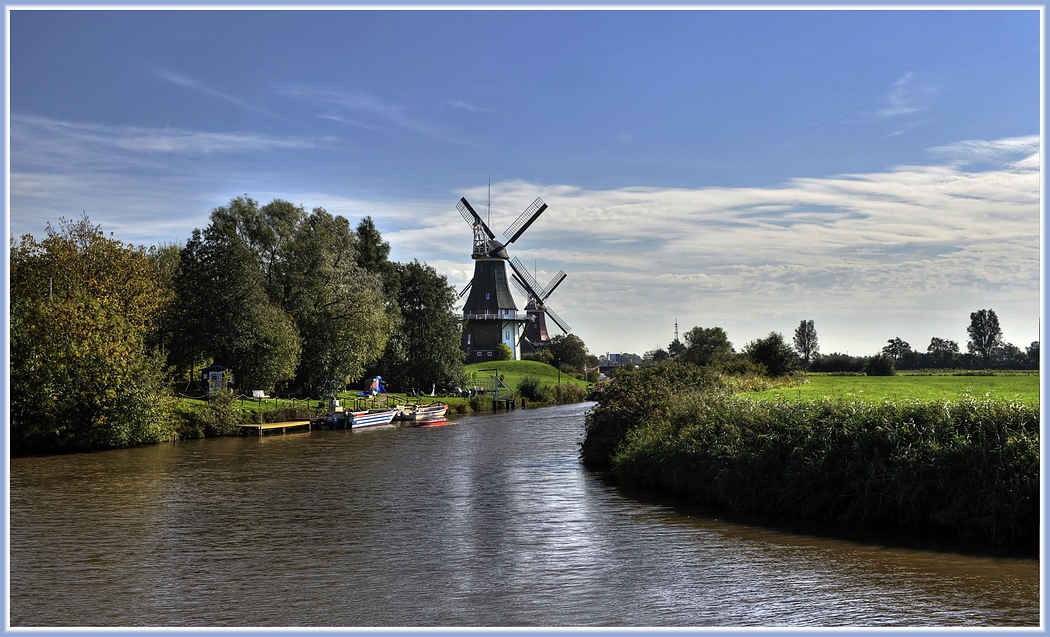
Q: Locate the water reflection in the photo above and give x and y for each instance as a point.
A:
(490, 521)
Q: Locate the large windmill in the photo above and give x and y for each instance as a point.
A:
(490, 316)
(536, 335)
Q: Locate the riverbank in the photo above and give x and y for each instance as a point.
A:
(966, 469)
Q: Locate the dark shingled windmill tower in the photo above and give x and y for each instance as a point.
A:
(490, 316)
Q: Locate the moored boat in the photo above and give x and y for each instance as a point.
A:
(372, 417)
(417, 413)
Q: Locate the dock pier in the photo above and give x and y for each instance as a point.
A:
(293, 425)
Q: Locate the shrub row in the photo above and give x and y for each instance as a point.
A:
(967, 470)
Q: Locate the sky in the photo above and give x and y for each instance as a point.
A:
(875, 171)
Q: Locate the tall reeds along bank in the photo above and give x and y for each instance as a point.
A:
(637, 395)
(965, 470)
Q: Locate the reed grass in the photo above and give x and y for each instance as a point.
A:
(966, 469)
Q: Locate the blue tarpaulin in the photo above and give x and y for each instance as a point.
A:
(376, 387)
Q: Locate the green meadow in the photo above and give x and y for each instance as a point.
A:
(909, 388)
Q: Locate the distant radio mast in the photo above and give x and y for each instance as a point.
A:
(676, 328)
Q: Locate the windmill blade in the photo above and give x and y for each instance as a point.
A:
(464, 290)
(524, 220)
(520, 286)
(557, 319)
(523, 287)
(555, 282)
(524, 278)
(472, 217)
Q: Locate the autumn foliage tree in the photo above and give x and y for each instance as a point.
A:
(85, 371)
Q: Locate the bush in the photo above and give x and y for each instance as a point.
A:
(634, 396)
(773, 353)
(880, 365)
(566, 393)
(530, 389)
(222, 416)
(542, 356)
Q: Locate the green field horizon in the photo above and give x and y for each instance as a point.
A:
(923, 388)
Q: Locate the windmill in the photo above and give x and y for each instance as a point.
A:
(536, 335)
(490, 316)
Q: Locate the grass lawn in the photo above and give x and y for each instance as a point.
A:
(909, 388)
(514, 371)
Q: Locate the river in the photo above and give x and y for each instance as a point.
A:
(489, 521)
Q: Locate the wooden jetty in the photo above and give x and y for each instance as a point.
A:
(284, 427)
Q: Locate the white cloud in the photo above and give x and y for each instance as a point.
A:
(877, 249)
(906, 252)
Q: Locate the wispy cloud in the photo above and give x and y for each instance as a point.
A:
(907, 95)
(41, 140)
(469, 107)
(372, 112)
(185, 81)
(1010, 150)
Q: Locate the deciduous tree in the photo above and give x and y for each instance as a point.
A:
(425, 347)
(773, 353)
(897, 349)
(568, 350)
(985, 334)
(806, 341)
(224, 313)
(84, 318)
(942, 352)
(706, 345)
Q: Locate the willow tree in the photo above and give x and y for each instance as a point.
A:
(84, 321)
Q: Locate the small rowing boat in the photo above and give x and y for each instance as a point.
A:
(418, 413)
(372, 417)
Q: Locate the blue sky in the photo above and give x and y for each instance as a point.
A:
(876, 171)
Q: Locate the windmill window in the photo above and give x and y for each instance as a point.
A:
(490, 353)
(506, 336)
(468, 338)
(488, 295)
(479, 354)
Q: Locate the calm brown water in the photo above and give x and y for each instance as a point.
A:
(489, 521)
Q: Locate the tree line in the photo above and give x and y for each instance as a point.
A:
(104, 334)
(774, 356)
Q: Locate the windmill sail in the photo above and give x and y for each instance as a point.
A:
(557, 319)
(524, 220)
(555, 282)
(471, 217)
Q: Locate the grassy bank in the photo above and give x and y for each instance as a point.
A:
(964, 469)
(514, 372)
(200, 418)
